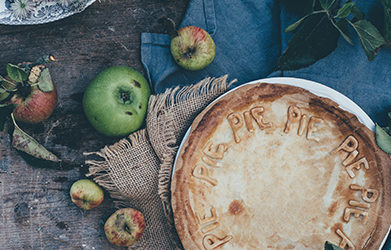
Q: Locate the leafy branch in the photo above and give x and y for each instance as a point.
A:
(316, 34)
(19, 77)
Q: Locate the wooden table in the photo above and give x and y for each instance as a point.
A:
(35, 207)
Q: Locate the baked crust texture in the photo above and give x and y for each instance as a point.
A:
(272, 166)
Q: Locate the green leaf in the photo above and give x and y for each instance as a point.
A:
(314, 39)
(345, 10)
(370, 37)
(383, 139)
(357, 13)
(3, 94)
(342, 27)
(387, 19)
(25, 143)
(326, 4)
(387, 129)
(331, 246)
(313, 5)
(16, 73)
(5, 111)
(45, 82)
(7, 84)
(294, 26)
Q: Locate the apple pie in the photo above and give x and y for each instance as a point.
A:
(272, 166)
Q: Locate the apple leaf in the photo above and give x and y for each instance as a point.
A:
(16, 73)
(331, 246)
(45, 82)
(7, 84)
(383, 139)
(387, 19)
(25, 143)
(345, 10)
(370, 37)
(342, 27)
(294, 26)
(314, 39)
(3, 94)
(5, 111)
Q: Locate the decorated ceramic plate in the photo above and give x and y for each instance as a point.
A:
(281, 163)
(22, 12)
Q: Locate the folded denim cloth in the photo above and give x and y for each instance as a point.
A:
(249, 39)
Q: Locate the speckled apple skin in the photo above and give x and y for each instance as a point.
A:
(193, 49)
(105, 109)
(129, 218)
(86, 194)
(35, 108)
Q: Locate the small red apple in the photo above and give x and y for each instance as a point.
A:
(32, 91)
(86, 194)
(193, 48)
(125, 227)
(33, 105)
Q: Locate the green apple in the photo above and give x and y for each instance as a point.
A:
(125, 227)
(86, 194)
(193, 48)
(116, 101)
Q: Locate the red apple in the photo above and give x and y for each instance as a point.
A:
(34, 105)
(125, 227)
(86, 194)
(193, 48)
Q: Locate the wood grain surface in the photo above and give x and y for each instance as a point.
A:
(35, 208)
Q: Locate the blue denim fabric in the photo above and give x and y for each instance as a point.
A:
(249, 38)
(246, 34)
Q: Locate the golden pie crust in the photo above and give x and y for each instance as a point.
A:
(272, 166)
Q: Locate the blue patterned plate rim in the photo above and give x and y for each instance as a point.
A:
(28, 12)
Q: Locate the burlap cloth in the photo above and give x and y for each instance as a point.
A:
(136, 171)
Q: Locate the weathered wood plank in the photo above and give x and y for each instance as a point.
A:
(35, 209)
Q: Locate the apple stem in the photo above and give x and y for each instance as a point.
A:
(169, 26)
(24, 89)
(127, 228)
(43, 60)
(52, 58)
(13, 121)
(125, 97)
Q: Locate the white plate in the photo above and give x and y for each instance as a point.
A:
(318, 89)
(38, 12)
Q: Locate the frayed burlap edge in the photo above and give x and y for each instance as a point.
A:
(166, 101)
(101, 171)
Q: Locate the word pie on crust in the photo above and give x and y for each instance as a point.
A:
(271, 166)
